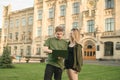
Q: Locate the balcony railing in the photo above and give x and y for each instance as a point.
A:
(90, 34)
(108, 34)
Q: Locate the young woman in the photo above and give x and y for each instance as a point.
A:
(74, 61)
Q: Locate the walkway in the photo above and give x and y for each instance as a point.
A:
(110, 63)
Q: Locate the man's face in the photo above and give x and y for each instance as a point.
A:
(59, 34)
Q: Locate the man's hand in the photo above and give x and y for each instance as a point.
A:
(60, 58)
(46, 50)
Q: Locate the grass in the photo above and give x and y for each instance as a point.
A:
(35, 71)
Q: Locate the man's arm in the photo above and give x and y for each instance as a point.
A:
(47, 50)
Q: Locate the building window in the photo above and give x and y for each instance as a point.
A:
(117, 45)
(38, 31)
(90, 25)
(23, 36)
(22, 52)
(40, 0)
(62, 10)
(10, 35)
(50, 30)
(11, 23)
(76, 8)
(75, 25)
(39, 14)
(108, 48)
(15, 50)
(17, 23)
(63, 25)
(51, 13)
(16, 36)
(89, 47)
(23, 21)
(38, 51)
(98, 47)
(29, 35)
(28, 50)
(109, 4)
(30, 20)
(6, 23)
(10, 49)
(109, 24)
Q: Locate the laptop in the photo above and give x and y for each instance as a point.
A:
(60, 53)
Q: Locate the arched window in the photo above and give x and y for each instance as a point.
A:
(108, 46)
(89, 47)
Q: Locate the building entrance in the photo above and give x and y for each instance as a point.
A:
(89, 51)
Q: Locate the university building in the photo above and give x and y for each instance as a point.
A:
(98, 21)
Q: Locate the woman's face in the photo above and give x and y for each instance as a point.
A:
(71, 34)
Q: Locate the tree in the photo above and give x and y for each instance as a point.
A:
(5, 59)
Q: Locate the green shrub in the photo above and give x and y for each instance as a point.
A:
(5, 59)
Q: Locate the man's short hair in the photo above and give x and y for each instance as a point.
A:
(59, 28)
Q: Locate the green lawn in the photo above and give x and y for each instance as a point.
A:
(35, 71)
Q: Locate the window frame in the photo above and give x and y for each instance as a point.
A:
(51, 13)
(75, 25)
(108, 48)
(62, 10)
(90, 26)
(76, 8)
(23, 21)
(50, 30)
(109, 24)
(109, 4)
(30, 20)
(40, 14)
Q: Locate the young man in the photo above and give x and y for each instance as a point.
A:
(54, 65)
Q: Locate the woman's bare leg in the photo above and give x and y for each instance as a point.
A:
(72, 74)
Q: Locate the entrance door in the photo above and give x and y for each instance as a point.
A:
(89, 51)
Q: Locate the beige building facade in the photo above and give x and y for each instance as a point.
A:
(0, 37)
(17, 30)
(98, 21)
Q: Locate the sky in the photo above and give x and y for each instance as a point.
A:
(15, 4)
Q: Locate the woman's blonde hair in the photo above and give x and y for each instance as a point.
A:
(75, 36)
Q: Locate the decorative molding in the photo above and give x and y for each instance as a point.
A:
(39, 5)
(104, 34)
(109, 12)
(75, 0)
(51, 20)
(91, 4)
(37, 39)
(39, 22)
(62, 18)
(89, 13)
(75, 16)
(50, 3)
(62, 1)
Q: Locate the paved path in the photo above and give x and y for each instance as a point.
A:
(109, 63)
